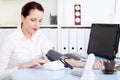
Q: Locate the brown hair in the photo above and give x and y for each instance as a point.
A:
(30, 6)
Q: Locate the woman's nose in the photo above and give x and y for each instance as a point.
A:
(37, 24)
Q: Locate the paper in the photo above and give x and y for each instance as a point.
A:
(54, 65)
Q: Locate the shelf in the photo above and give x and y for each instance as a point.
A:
(76, 26)
(8, 25)
(15, 25)
(48, 26)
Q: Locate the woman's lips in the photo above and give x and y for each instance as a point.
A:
(35, 29)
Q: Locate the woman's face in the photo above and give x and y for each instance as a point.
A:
(32, 22)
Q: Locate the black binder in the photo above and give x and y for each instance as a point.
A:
(104, 40)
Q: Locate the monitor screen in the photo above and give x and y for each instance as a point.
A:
(104, 40)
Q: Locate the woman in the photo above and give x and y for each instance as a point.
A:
(25, 47)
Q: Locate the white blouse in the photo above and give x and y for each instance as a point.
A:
(16, 49)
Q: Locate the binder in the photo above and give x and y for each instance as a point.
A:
(73, 40)
(64, 41)
(45, 31)
(81, 41)
(51, 34)
(87, 36)
(53, 37)
(9, 30)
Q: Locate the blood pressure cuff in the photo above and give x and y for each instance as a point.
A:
(53, 55)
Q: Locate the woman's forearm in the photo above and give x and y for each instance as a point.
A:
(75, 63)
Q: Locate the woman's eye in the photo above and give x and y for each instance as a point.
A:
(32, 19)
(40, 21)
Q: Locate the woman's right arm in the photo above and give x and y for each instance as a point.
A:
(5, 54)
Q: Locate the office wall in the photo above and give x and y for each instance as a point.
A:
(10, 10)
(92, 11)
(96, 11)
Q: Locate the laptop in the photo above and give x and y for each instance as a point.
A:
(88, 66)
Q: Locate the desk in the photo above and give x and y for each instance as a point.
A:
(42, 74)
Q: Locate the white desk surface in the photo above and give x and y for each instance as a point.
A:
(65, 74)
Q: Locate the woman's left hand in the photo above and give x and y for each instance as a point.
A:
(97, 64)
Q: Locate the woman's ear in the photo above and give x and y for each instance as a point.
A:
(22, 18)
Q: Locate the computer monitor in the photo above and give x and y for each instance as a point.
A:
(104, 40)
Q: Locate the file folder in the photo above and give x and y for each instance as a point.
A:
(87, 36)
(51, 34)
(53, 37)
(81, 41)
(73, 40)
(64, 41)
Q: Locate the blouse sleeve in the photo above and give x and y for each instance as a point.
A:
(5, 54)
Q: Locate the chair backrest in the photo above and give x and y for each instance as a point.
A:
(104, 40)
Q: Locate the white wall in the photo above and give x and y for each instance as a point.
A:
(115, 16)
(1, 9)
(117, 6)
(92, 10)
(10, 10)
(96, 11)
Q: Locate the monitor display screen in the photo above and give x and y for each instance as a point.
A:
(104, 40)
